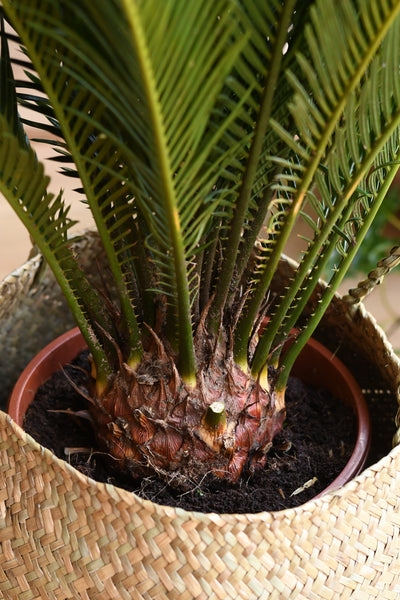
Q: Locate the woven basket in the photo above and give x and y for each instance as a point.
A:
(63, 536)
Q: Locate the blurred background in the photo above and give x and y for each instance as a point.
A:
(15, 244)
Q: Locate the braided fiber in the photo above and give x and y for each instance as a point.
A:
(63, 535)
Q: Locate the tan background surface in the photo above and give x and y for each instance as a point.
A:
(14, 241)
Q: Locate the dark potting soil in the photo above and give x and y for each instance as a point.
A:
(314, 446)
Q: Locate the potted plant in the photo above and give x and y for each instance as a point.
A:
(201, 133)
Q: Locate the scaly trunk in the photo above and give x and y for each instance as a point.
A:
(152, 422)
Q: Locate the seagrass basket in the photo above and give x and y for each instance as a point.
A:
(62, 535)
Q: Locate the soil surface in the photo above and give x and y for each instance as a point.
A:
(316, 442)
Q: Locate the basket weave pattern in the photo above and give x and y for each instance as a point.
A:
(64, 536)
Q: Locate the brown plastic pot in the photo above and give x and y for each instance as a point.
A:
(316, 366)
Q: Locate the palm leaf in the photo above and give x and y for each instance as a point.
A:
(190, 126)
(317, 111)
(136, 149)
(358, 166)
(24, 184)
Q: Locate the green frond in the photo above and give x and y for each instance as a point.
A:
(24, 184)
(262, 119)
(146, 144)
(359, 232)
(318, 114)
(201, 133)
(347, 201)
(84, 122)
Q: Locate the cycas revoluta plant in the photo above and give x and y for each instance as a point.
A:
(201, 133)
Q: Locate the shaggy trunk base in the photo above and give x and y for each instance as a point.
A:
(314, 446)
(151, 421)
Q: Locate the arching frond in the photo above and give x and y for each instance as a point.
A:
(201, 132)
(138, 132)
(24, 184)
(358, 166)
(325, 91)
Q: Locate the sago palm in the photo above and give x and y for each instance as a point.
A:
(201, 132)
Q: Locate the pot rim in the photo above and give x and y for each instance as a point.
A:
(357, 460)
(66, 347)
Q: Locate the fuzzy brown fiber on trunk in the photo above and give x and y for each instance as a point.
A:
(151, 421)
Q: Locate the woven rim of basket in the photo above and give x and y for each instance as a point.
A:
(365, 488)
(33, 453)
